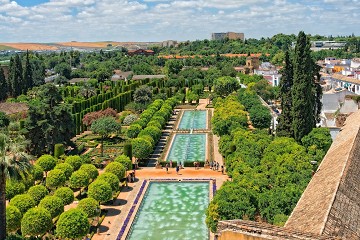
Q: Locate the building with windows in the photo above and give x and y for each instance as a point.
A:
(229, 35)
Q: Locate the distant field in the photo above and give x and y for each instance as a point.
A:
(3, 47)
(29, 46)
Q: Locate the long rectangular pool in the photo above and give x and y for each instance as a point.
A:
(188, 148)
(172, 211)
(193, 119)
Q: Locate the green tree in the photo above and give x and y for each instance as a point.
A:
(284, 127)
(63, 69)
(66, 168)
(14, 163)
(100, 191)
(75, 161)
(133, 131)
(4, 89)
(125, 161)
(55, 179)
(37, 221)
(116, 168)
(13, 218)
(91, 170)
(104, 127)
(46, 162)
(260, 116)
(141, 148)
(110, 178)
(142, 94)
(173, 66)
(38, 192)
(304, 90)
(53, 204)
(226, 85)
(191, 96)
(38, 173)
(72, 224)
(28, 75)
(16, 76)
(23, 202)
(90, 207)
(13, 188)
(79, 179)
(65, 194)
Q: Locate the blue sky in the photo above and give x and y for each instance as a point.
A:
(158, 20)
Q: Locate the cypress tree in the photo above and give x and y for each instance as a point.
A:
(28, 75)
(3, 85)
(284, 127)
(304, 89)
(16, 76)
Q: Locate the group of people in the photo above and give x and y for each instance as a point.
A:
(215, 166)
(169, 165)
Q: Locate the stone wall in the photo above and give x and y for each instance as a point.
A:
(344, 217)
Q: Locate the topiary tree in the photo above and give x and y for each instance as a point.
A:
(72, 224)
(74, 161)
(90, 207)
(56, 178)
(37, 221)
(141, 148)
(47, 162)
(66, 168)
(53, 204)
(154, 124)
(91, 170)
(125, 161)
(116, 168)
(13, 218)
(128, 149)
(153, 132)
(38, 192)
(79, 179)
(133, 130)
(65, 194)
(100, 191)
(110, 178)
(13, 188)
(38, 173)
(23, 202)
(59, 150)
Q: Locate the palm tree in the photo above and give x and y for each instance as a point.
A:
(14, 164)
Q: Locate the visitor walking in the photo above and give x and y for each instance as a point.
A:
(214, 166)
(222, 169)
(167, 167)
(177, 169)
(211, 164)
(170, 163)
(217, 166)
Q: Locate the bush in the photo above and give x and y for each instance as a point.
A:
(59, 150)
(260, 117)
(110, 178)
(37, 221)
(4, 120)
(116, 168)
(79, 179)
(159, 119)
(13, 188)
(38, 192)
(154, 124)
(141, 148)
(65, 194)
(133, 131)
(125, 161)
(153, 132)
(53, 204)
(38, 173)
(74, 161)
(66, 168)
(128, 149)
(13, 218)
(91, 170)
(130, 119)
(23, 202)
(90, 207)
(56, 178)
(72, 224)
(100, 191)
(47, 162)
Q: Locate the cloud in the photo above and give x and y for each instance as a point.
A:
(157, 20)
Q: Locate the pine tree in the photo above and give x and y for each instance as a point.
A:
(284, 128)
(28, 75)
(16, 76)
(3, 85)
(304, 97)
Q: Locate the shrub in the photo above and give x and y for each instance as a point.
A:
(38, 192)
(13, 188)
(91, 170)
(159, 119)
(79, 179)
(133, 131)
(72, 224)
(110, 178)
(47, 162)
(141, 148)
(116, 168)
(90, 207)
(36, 221)
(128, 149)
(85, 159)
(100, 191)
(65, 194)
(125, 161)
(153, 132)
(59, 150)
(53, 204)
(56, 178)
(74, 161)
(154, 124)
(130, 119)
(4, 120)
(13, 218)
(38, 173)
(66, 168)
(23, 202)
